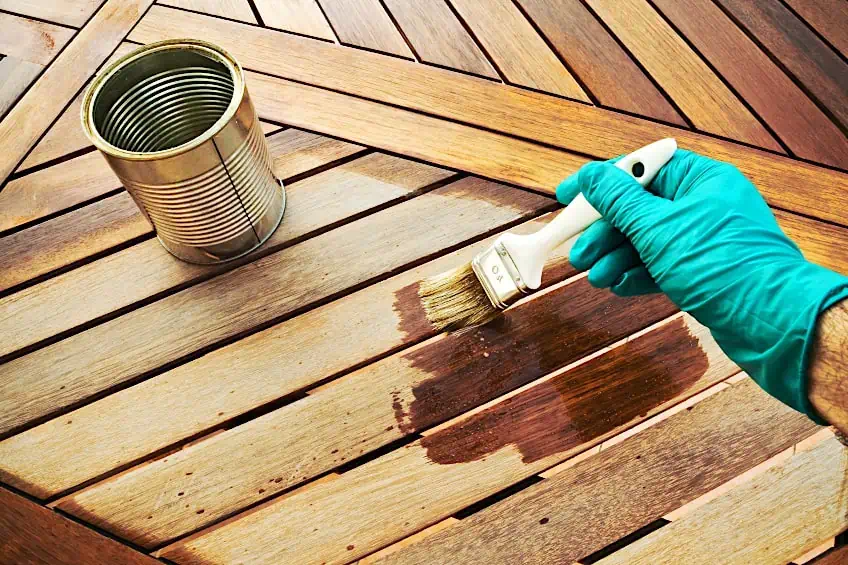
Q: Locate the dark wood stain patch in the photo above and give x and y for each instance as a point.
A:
(413, 320)
(581, 404)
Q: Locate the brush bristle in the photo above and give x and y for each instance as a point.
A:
(456, 300)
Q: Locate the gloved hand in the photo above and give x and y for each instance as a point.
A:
(707, 239)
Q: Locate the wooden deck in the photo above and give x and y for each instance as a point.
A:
(294, 407)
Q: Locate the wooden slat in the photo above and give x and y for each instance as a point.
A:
(33, 535)
(786, 37)
(438, 37)
(801, 125)
(625, 487)
(69, 12)
(168, 408)
(597, 59)
(384, 500)
(116, 220)
(828, 17)
(66, 135)
(414, 538)
(287, 281)
(821, 243)
(516, 49)
(358, 414)
(300, 16)
(234, 9)
(30, 40)
(699, 93)
(15, 77)
(365, 23)
(838, 556)
(30, 118)
(771, 519)
(785, 182)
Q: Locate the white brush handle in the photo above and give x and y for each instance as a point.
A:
(529, 252)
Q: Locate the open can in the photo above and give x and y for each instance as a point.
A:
(176, 124)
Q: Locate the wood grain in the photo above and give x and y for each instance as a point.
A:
(828, 17)
(838, 556)
(821, 243)
(68, 12)
(287, 281)
(234, 9)
(33, 535)
(522, 57)
(357, 414)
(624, 487)
(27, 121)
(558, 122)
(411, 488)
(786, 37)
(15, 77)
(364, 23)
(438, 37)
(172, 403)
(805, 502)
(801, 125)
(597, 59)
(299, 16)
(294, 152)
(30, 40)
(699, 93)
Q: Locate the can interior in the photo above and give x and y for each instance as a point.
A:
(162, 100)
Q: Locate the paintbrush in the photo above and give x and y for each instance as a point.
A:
(475, 293)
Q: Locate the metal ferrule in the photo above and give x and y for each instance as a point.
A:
(176, 124)
(499, 276)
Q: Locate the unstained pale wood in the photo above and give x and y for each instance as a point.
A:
(624, 487)
(68, 12)
(27, 121)
(698, 92)
(287, 281)
(598, 60)
(412, 487)
(33, 535)
(438, 37)
(365, 23)
(294, 152)
(15, 77)
(562, 123)
(30, 40)
(300, 16)
(522, 57)
(785, 511)
(234, 9)
(806, 56)
(828, 17)
(802, 126)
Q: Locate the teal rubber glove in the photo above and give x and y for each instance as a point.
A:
(704, 236)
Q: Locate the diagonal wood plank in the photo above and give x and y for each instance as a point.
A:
(484, 452)
(604, 67)
(828, 17)
(782, 105)
(15, 76)
(33, 535)
(595, 131)
(30, 118)
(813, 63)
(371, 400)
(699, 93)
(234, 9)
(364, 23)
(838, 556)
(68, 12)
(804, 500)
(516, 49)
(625, 487)
(186, 400)
(30, 40)
(289, 280)
(299, 16)
(438, 37)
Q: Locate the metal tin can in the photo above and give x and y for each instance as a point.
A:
(176, 124)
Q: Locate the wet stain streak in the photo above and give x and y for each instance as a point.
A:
(413, 321)
(581, 404)
(528, 342)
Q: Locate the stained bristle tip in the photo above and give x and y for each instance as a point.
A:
(456, 300)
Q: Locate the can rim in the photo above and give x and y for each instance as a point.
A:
(217, 53)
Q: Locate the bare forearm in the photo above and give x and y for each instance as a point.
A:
(828, 374)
